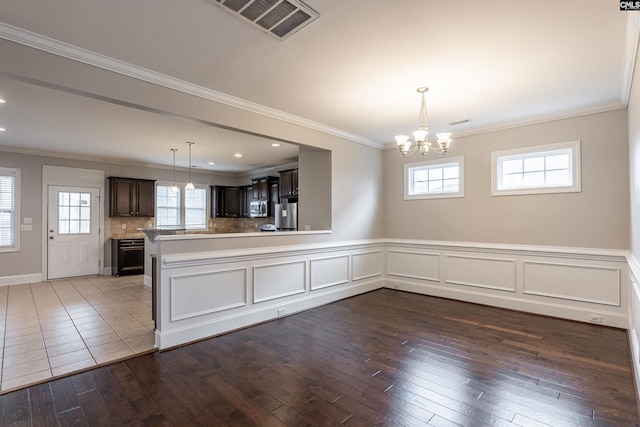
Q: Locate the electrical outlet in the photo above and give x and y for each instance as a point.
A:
(594, 318)
(282, 311)
(124, 226)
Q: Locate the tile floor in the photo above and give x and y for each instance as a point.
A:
(53, 328)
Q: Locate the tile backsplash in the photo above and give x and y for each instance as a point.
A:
(131, 227)
(215, 226)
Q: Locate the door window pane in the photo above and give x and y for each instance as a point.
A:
(74, 212)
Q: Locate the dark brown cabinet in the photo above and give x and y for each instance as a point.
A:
(289, 183)
(230, 202)
(127, 256)
(131, 197)
(246, 192)
(260, 189)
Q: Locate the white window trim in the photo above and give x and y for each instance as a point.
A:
(17, 220)
(575, 169)
(182, 211)
(440, 195)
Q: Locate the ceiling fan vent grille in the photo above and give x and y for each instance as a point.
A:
(279, 18)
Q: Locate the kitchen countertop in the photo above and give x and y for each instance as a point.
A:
(152, 233)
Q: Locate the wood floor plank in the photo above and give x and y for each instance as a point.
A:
(382, 358)
(42, 411)
(16, 409)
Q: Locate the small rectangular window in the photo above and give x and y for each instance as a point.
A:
(553, 168)
(9, 210)
(434, 179)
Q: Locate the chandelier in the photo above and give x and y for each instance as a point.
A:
(420, 136)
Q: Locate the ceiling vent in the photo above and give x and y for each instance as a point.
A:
(280, 18)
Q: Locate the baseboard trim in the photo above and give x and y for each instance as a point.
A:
(20, 279)
(545, 308)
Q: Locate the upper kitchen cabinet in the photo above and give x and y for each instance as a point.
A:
(289, 183)
(260, 188)
(131, 197)
(230, 202)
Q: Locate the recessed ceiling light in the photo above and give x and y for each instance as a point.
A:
(212, 163)
(238, 155)
(2, 129)
(275, 144)
(2, 101)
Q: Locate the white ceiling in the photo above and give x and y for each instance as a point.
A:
(354, 71)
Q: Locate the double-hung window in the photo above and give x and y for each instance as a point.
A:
(434, 179)
(9, 210)
(553, 168)
(182, 208)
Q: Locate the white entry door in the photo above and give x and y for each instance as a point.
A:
(73, 232)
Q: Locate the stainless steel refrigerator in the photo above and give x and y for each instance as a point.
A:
(286, 216)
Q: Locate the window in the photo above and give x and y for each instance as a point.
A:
(167, 207)
(553, 168)
(183, 208)
(74, 213)
(9, 210)
(195, 208)
(434, 179)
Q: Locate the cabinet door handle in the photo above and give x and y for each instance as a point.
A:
(131, 213)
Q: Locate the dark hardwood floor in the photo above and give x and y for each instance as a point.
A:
(382, 358)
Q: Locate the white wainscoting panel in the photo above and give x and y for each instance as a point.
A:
(207, 292)
(366, 265)
(481, 272)
(416, 265)
(587, 283)
(329, 271)
(278, 280)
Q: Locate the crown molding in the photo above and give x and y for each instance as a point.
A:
(629, 58)
(543, 118)
(66, 50)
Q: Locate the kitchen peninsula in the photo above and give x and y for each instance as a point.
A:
(208, 284)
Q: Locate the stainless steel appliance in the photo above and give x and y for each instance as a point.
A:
(258, 209)
(286, 216)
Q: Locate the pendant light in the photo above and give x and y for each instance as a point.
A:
(174, 189)
(189, 185)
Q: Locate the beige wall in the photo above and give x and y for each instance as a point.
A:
(355, 208)
(634, 161)
(597, 217)
(29, 259)
(355, 177)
